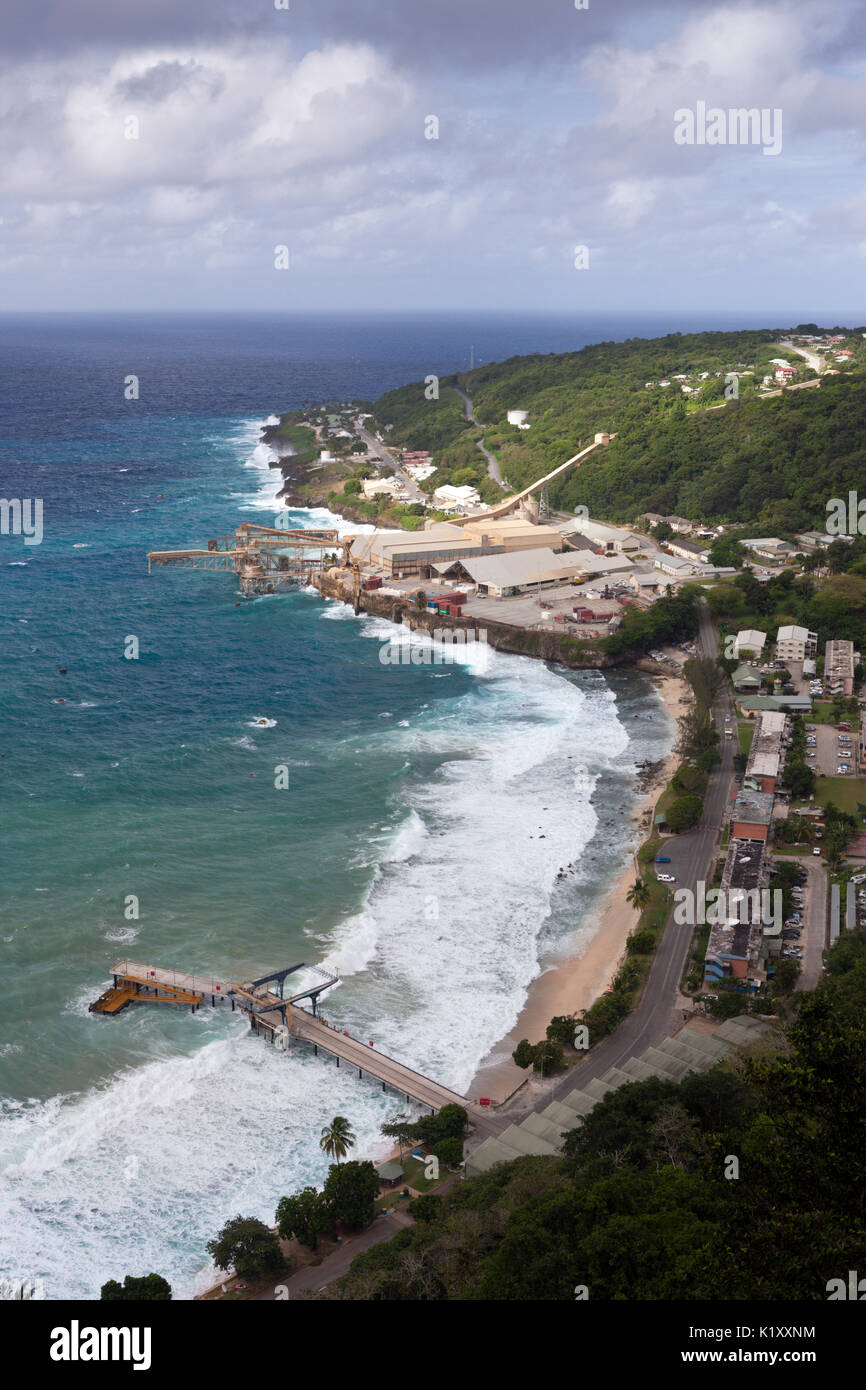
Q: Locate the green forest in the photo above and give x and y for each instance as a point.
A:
(645, 1203)
(770, 464)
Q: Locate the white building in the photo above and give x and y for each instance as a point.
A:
(749, 642)
(459, 499)
(380, 487)
(609, 537)
(795, 643)
(674, 566)
(518, 418)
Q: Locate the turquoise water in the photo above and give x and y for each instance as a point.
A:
(416, 850)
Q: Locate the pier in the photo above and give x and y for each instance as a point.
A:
(265, 558)
(278, 1019)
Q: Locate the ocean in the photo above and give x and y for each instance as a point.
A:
(416, 850)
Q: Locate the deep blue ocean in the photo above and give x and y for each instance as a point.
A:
(125, 1144)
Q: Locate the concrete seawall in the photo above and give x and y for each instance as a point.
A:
(503, 637)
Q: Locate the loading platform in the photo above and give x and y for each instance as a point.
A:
(274, 1016)
(265, 558)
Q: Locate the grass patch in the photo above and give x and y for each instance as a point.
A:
(745, 733)
(848, 793)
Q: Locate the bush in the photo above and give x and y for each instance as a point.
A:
(641, 943)
(149, 1288)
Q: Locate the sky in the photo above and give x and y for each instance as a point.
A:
(233, 155)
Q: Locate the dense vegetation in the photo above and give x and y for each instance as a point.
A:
(769, 463)
(745, 1182)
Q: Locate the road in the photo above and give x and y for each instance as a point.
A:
(815, 923)
(813, 360)
(384, 455)
(336, 1265)
(692, 858)
(492, 463)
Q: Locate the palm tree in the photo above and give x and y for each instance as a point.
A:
(639, 895)
(337, 1138)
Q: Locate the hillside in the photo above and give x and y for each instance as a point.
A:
(641, 1205)
(767, 462)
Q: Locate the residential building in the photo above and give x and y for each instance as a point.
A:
(751, 815)
(747, 679)
(839, 661)
(795, 643)
(688, 550)
(766, 753)
(749, 642)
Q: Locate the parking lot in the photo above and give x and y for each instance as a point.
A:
(830, 752)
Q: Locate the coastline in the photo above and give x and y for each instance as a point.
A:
(576, 981)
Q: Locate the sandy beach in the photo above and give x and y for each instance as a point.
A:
(573, 983)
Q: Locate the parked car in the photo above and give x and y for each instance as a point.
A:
(666, 878)
(816, 850)
(663, 859)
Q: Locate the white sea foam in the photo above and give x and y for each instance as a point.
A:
(260, 721)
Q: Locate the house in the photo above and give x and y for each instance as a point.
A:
(785, 374)
(795, 643)
(771, 549)
(751, 705)
(679, 524)
(518, 418)
(747, 679)
(749, 642)
(649, 583)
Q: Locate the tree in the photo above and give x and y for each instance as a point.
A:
(561, 1029)
(351, 1190)
(548, 1056)
(304, 1215)
(337, 1138)
(150, 1288)
(426, 1208)
(452, 1121)
(523, 1054)
(786, 975)
(247, 1245)
(639, 895)
(400, 1128)
(449, 1152)
(351, 487)
(685, 812)
(800, 778)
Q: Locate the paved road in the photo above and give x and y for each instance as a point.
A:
(814, 361)
(336, 1265)
(384, 455)
(692, 858)
(814, 936)
(492, 462)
